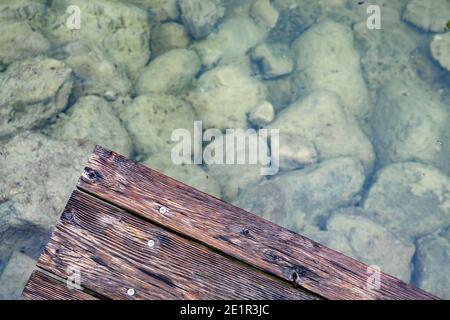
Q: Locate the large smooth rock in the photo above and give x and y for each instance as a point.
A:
(151, 119)
(92, 118)
(32, 92)
(395, 51)
(428, 15)
(168, 36)
(433, 259)
(372, 243)
(305, 197)
(224, 95)
(190, 174)
(321, 119)
(120, 29)
(95, 73)
(200, 16)
(37, 176)
(19, 41)
(234, 37)
(326, 58)
(169, 73)
(440, 49)
(264, 13)
(235, 178)
(33, 13)
(410, 199)
(411, 124)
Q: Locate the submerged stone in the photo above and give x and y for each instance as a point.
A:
(372, 243)
(273, 59)
(263, 12)
(150, 120)
(410, 199)
(19, 41)
(171, 72)
(326, 59)
(94, 73)
(306, 197)
(120, 29)
(295, 152)
(235, 178)
(160, 10)
(224, 95)
(411, 124)
(234, 37)
(168, 36)
(33, 91)
(92, 118)
(262, 114)
(440, 49)
(37, 176)
(428, 15)
(321, 119)
(295, 16)
(433, 259)
(200, 16)
(33, 13)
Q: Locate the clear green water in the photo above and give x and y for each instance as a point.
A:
(358, 91)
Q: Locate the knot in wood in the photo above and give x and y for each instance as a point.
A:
(91, 175)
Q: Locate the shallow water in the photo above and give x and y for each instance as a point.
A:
(354, 95)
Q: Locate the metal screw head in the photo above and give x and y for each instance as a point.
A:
(130, 292)
(151, 243)
(162, 210)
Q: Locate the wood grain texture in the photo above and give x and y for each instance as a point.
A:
(110, 249)
(233, 231)
(43, 287)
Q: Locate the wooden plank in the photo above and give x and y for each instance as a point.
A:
(233, 231)
(43, 287)
(110, 249)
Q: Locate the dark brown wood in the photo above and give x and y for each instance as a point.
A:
(233, 231)
(43, 287)
(110, 249)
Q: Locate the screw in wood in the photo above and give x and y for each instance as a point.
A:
(130, 292)
(151, 243)
(163, 210)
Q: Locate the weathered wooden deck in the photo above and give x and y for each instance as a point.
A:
(129, 227)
